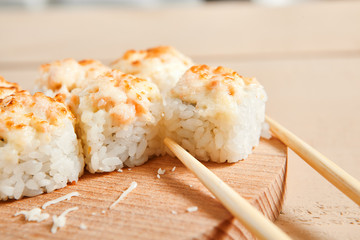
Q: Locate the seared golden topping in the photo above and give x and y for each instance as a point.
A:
(21, 110)
(162, 65)
(156, 52)
(6, 91)
(7, 88)
(88, 62)
(122, 95)
(4, 83)
(200, 80)
(220, 75)
(60, 97)
(215, 90)
(69, 73)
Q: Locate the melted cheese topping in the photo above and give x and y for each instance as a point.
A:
(122, 95)
(6, 91)
(157, 52)
(69, 73)
(163, 65)
(7, 88)
(23, 116)
(215, 90)
(4, 83)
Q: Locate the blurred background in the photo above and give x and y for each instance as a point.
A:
(39, 4)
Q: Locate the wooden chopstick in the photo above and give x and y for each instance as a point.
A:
(248, 215)
(328, 169)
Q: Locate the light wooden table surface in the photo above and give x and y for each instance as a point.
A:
(307, 57)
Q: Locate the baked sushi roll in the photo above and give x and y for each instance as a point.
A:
(117, 118)
(39, 150)
(215, 114)
(162, 65)
(63, 76)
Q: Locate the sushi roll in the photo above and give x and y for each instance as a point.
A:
(215, 113)
(163, 65)
(39, 150)
(117, 118)
(62, 76)
(7, 88)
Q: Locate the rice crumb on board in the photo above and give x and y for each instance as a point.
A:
(161, 171)
(173, 169)
(265, 131)
(33, 215)
(192, 209)
(173, 212)
(103, 211)
(158, 176)
(133, 185)
(60, 221)
(66, 197)
(129, 169)
(120, 170)
(83, 226)
(93, 213)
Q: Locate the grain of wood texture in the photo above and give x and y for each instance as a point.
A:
(254, 221)
(146, 212)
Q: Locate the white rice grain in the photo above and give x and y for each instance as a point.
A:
(83, 226)
(33, 215)
(161, 171)
(60, 221)
(133, 185)
(63, 198)
(192, 209)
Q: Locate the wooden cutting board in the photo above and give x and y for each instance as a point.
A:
(147, 212)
